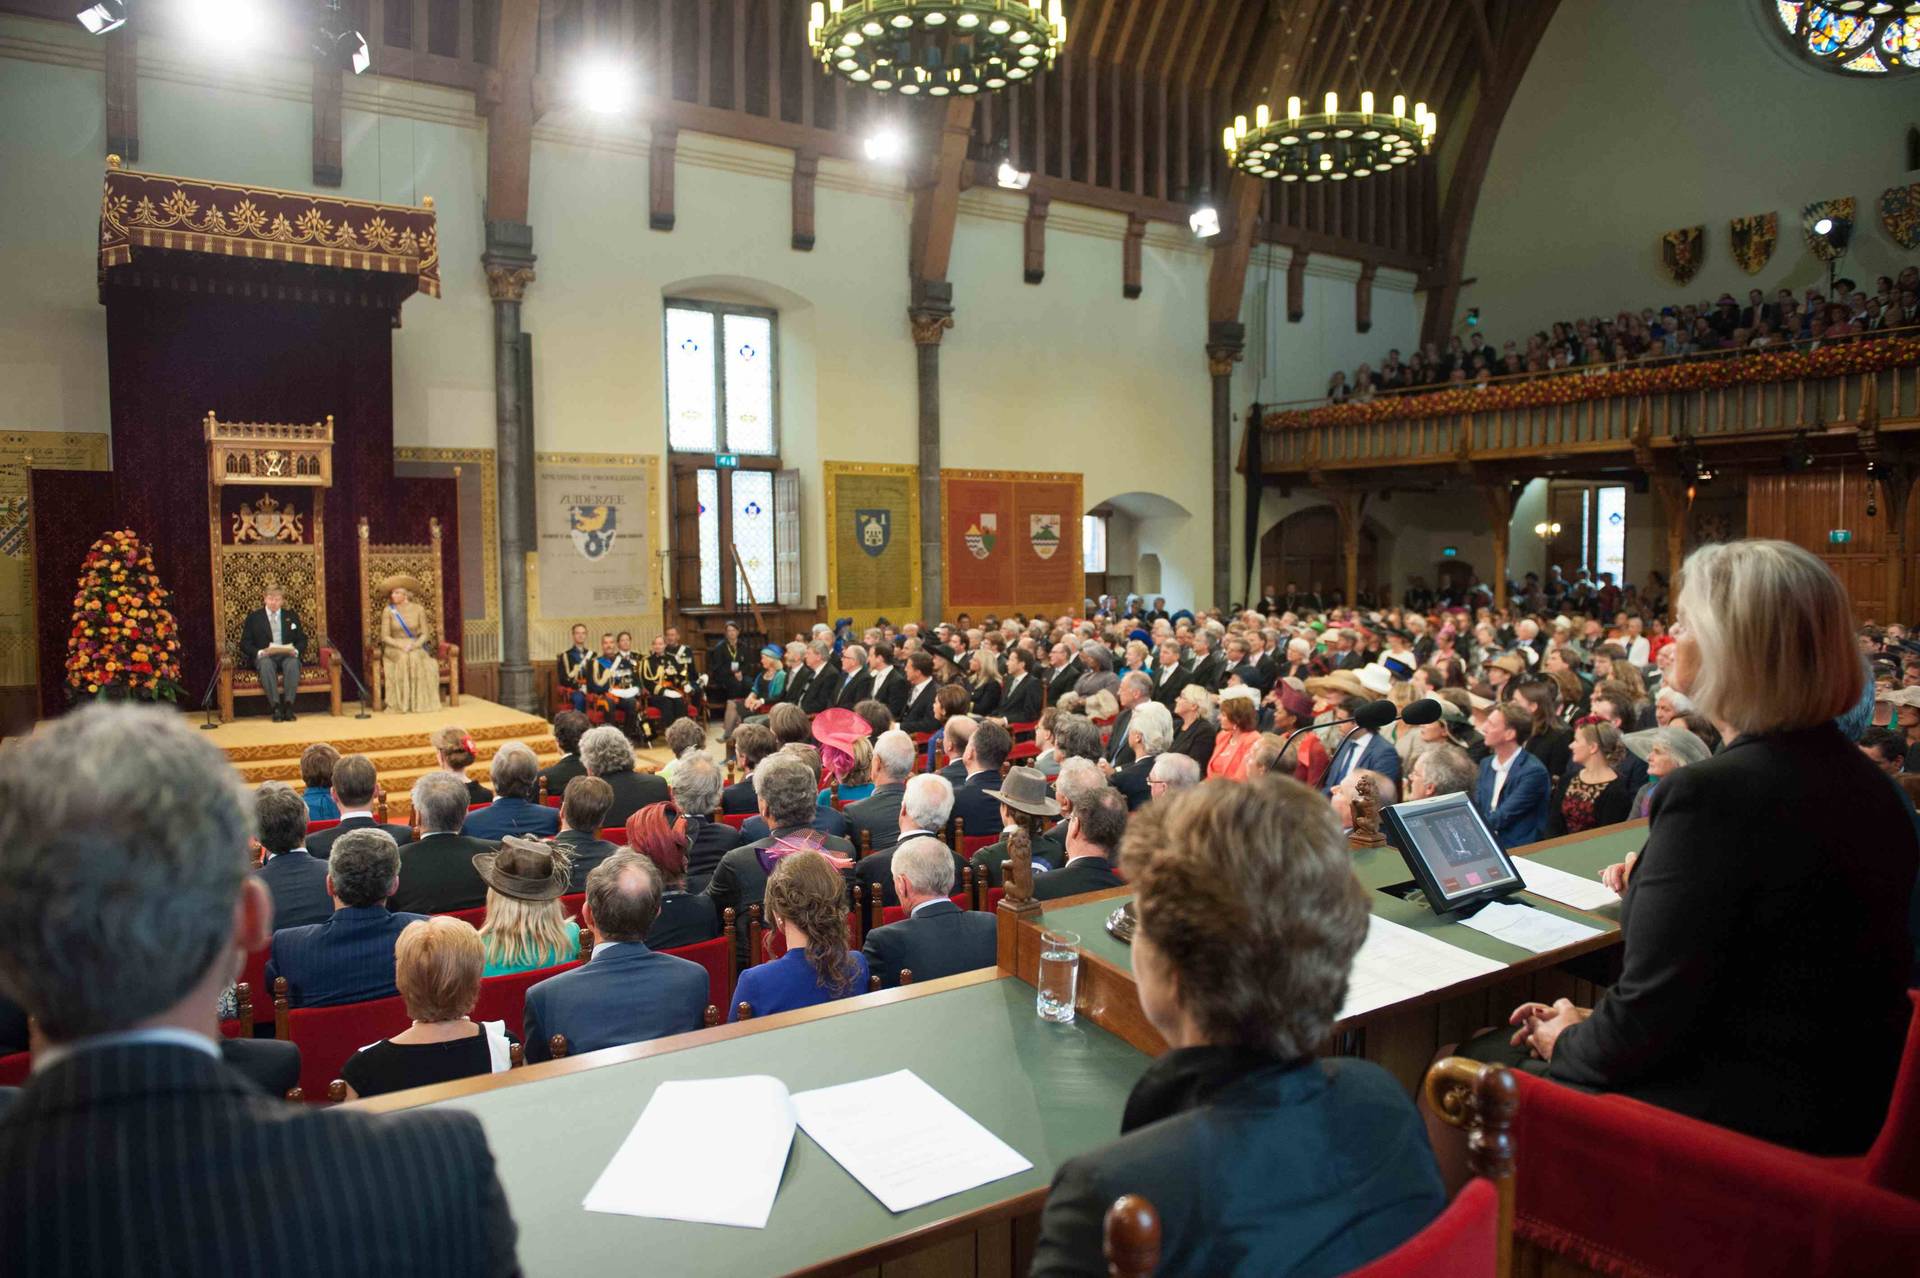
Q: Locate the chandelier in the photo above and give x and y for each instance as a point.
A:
(936, 47)
(1331, 145)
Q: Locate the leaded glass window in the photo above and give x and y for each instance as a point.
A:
(692, 411)
(722, 389)
(708, 486)
(1853, 37)
(749, 384)
(753, 532)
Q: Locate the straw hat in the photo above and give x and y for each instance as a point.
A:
(1511, 662)
(1025, 790)
(399, 581)
(525, 869)
(1681, 746)
(1342, 681)
(1376, 679)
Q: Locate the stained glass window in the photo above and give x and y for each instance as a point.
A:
(753, 531)
(1853, 37)
(690, 398)
(1610, 532)
(749, 380)
(707, 485)
(1093, 542)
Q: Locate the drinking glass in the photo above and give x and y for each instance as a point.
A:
(1059, 975)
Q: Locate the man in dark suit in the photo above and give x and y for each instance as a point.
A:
(609, 755)
(924, 809)
(752, 742)
(977, 810)
(916, 708)
(349, 958)
(886, 684)
(570, 669)
(955, 733)
(298, 881)
(568, 727)
(274, 625)
(1136, 688)
(628, 993)
(1209, 667)
(787, 803)
(1150, 733)
(937, 938)
(1065, 669)
(1514, 792)
(354, 785)
(1362, 750)
(855, 679)
(823, 678)
(582, 810)
(144, 1143)
(878, 815)
(516, 808)
(1169, 676)
(726, 677)
(436, 872)
(1024, 693)
(1093, 835)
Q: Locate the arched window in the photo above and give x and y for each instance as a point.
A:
(1853, 37)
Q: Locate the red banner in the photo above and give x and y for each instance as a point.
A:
(1011, 541)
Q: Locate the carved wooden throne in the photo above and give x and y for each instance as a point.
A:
(423, 564)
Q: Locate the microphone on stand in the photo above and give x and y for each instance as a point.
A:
(1371, 716)
(206, 701)
(366, 698)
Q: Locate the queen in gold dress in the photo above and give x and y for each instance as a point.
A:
(408, 665)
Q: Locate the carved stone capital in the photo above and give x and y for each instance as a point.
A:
(928, 326)
(1221, 359)
(508, 283)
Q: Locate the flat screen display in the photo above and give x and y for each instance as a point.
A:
(1450, 850)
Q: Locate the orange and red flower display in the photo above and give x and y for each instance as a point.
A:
(124, 641)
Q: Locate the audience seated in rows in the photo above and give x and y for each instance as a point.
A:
(806, 899)
(454, 751)
(436, 871)
(696, 792)
(583, 814)
(526, 928)
(437, 965)
(516, 806)
(348, 958)
(355, 784)
(937, 938)
(297, 880)
(659, 833)
(608, 755)
(925, 807)
(1093, 830)
(752, 742)
(785, 787)
(878, 815)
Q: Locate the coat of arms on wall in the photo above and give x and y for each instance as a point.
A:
(1681, 251)
(875, 530)
(1831, 245)
(267, 521)
(1751, 239)
(1045, 531)
(1900, 214)
(592, 529)
(980, 535)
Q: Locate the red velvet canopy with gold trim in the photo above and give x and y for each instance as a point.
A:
(151, 211)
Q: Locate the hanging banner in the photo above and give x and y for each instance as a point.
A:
(19, 450)
(594, 519)
(1010, 541)
(873, 541)
(1751, 239)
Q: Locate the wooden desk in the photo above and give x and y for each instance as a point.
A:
(1050, 1091)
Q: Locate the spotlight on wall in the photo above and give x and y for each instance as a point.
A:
(99, 19)
(1823, 227)
(886, 145)
(1204, 221)
(604, 85)
(227, 26)
(1010, 178)
(335, 42)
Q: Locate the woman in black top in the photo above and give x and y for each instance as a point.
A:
(1194, 737)
(437, 964)
(659, 833)
(1548, 742)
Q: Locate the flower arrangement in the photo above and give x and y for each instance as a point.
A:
(1837, 360)
(124, 642)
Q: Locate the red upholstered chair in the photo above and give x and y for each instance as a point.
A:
(570, 904)
(971, 843)
(504, 998)
(475, 807)
(553, 800)
(314, 827)
(1462, 1243)
(615, 834)
(1022, 751)
(327, 1036)
(476, 916)
(737, 819)
(15, 1068)
(1023, 730)
(717, 957)
(993, 898)
(254, 977)
(1645, 1191)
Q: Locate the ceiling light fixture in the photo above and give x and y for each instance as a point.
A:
(936, 48)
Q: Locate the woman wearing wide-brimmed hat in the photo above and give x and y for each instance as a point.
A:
(408, 665)
(526, 927)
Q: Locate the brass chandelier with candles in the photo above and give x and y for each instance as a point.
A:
(936, 47)
(1330, 145)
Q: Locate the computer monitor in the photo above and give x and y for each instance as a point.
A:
(1455, 859)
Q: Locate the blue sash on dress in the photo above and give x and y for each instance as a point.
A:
(402, 620)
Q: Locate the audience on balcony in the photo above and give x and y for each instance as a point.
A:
(1597, 344)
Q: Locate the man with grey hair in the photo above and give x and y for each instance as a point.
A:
(786, 790)
(1075, 737)
(1170, 774)
(823, 678)
(1209, 668)
(855, 681)
(127, 907)
(1136, 688)
(878, 815)
(696, 793)
(436, 870)
(298, 881)
(627, 993)
(925, 805)
(349, 958)
(609, 755)
(1149, 734)
(516, 806)
(1441, 769)
(937, 938)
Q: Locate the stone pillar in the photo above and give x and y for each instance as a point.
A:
(931, 314)
(509, 261)
(1226, 340)
(1498, 495)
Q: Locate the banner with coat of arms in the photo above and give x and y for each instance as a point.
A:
(594, 537)
(1011, 542)
(1900, 214)
(1752, 239)
(1681, 252)
(873, 541)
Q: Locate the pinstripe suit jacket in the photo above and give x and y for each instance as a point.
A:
(347, 959)
(157, 1159)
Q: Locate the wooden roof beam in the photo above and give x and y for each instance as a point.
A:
(936, 204)
(508, 105)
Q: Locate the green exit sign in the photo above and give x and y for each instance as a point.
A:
(727, 461)
(1840, 536)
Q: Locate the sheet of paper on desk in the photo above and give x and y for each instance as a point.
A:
(1397, 963)
(1568, 889)
(706, 1150)
(1528, 928)
(939, 1150)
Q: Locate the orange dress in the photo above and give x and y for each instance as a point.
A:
(1230, 752)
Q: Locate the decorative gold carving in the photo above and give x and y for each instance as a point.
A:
(928, 326)
(1221, 359)
(1751, 239)
(270, 452)
(508, 283)
(269, 521)
(1681, 252)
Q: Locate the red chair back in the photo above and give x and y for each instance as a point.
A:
(1464, 1242)
(971, 843)
(476, 916)
(570, 904)
(993, 898)
(475, 807)
(894, 913)
(616, 834)
(717, 957)
(1894, 1161)
(1023, 751)
(254, 974)
(737, 819)
(15, 1068)
(552, 801)
(328, 1036)
(504, 998)
(314, 827)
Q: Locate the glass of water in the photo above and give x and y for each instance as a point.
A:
(1059, 975)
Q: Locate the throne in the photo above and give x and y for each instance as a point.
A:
(423, 564)
(259, 538)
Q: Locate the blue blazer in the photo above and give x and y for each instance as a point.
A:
(299, 886)
(1378, 755)
(979, 812)
(789, 982)
(506, 816)
(626, 994)
(347, 959)
(1524, 801)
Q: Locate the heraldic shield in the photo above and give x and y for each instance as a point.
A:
(592, 528)
(874, 529)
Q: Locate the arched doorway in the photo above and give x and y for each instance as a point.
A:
(1305, 548)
